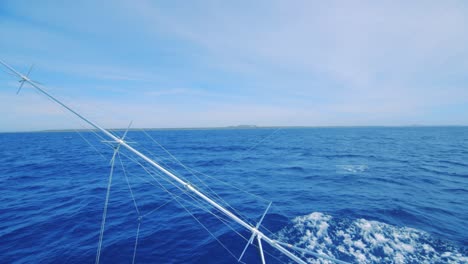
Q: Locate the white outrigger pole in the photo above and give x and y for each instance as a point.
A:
(256, 233)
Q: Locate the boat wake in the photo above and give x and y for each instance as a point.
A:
(364, 241)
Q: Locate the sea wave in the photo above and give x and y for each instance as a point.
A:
(351, 168)
(367, 241)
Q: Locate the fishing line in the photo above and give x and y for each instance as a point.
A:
(248, 150)
(200, 180)
(224, 221)
(136, 241)
(128, 184)
(180, 163)
(196, 199)
(89, 143)
(161, 161)
(143, 179)
(209, 232)
(104, 214)
(136, 208)
(154, 171)
(203, 208)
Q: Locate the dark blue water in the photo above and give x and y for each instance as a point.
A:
(367, 195)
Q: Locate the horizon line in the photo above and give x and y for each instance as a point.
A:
(239, 127)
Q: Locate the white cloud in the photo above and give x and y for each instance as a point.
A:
(271, 63)
(354, 43)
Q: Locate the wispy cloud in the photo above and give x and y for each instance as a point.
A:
(301, 62)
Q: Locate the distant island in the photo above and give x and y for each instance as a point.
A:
(232, 127)
(243, 126)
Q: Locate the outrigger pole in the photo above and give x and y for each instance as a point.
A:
(256, 233)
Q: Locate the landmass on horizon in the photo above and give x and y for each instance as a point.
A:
(234, 127)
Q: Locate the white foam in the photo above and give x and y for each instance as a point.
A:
(380, 238)
(364, 241)
(352, 168)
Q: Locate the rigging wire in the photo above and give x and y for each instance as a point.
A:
(104, 213)
(89, 143)
(167, 165)
(136, 240)
(194, 217)
(198, 178)
(197, 203)
(196, 199)
(151, 173)
(161, 161)
(170, 167)
(174, 197)
(191, 170)
(173, 177)
(200, 206)
(247, 219)
(136, 208)
(128, 184)
(248, 150)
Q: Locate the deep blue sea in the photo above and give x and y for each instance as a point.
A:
(363, 195)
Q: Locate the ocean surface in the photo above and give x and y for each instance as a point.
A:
(363, 195)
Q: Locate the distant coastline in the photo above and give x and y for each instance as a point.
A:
(234, 127)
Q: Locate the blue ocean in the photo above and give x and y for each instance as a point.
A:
(361, 195)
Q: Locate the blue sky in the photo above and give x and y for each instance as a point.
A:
(220, 63)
